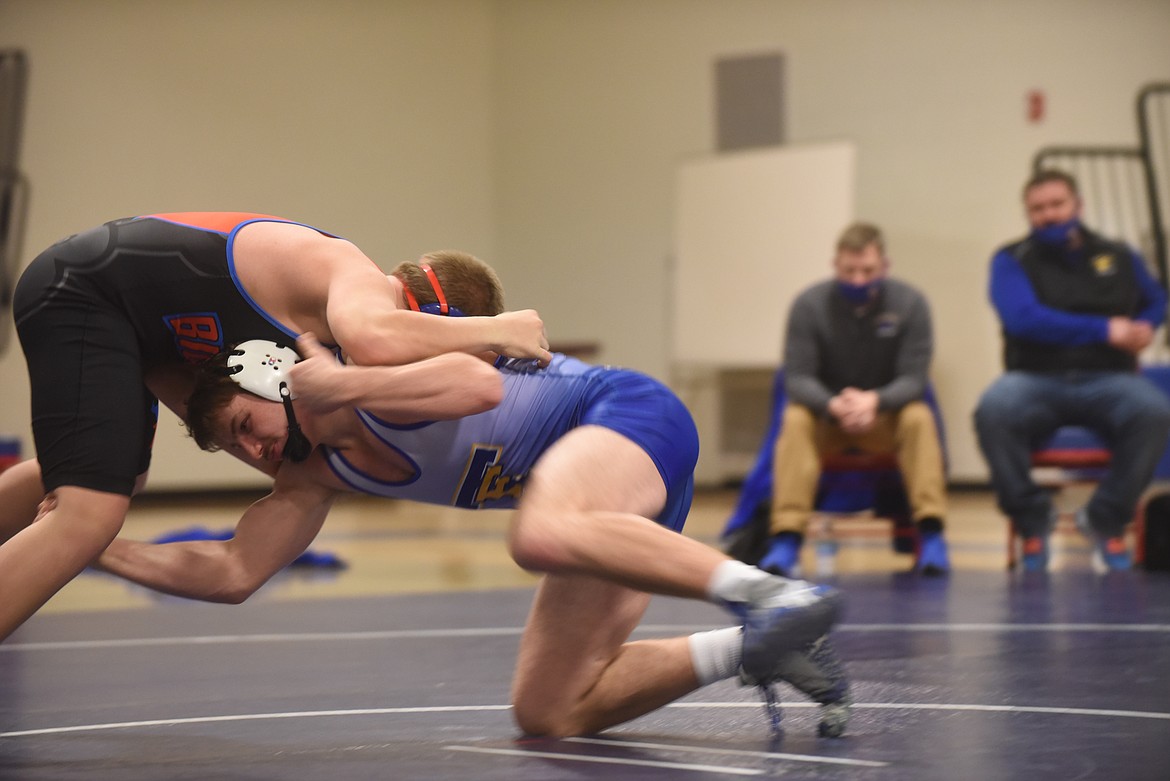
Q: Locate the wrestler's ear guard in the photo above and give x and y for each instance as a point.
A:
(261, 367)
(440, 307)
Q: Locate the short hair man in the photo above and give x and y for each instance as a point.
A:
(856, 355)
(1076, 309)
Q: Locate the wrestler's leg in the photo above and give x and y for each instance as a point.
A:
(21, 489)
(585, 519)
(577, 674)
(586, 510)
(21, 492)
(43, 557)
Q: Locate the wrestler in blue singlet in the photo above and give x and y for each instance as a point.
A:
(481, 461)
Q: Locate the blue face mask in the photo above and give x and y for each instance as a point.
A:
(859, 295)
(1060, 233)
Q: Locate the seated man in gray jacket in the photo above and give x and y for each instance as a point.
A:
(856, 355)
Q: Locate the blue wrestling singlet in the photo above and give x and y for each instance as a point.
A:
(481, 461)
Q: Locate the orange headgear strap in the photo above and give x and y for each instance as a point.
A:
(440, 307)
(411, 301)
(430, 272)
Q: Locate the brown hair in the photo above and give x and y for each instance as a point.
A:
(214, 390)
(1052, 175)
(468, 283)
(860, 235)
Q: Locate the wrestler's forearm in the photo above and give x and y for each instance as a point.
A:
(443, 388)
(398, 338)
(376, 336)
(202, 570)
(270, 534)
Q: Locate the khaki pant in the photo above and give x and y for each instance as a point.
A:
(909, 433)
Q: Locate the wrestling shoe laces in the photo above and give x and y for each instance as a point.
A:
(819, 674)
(779, 634)
(772, 707)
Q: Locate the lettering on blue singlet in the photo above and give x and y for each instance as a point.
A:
(484, 479)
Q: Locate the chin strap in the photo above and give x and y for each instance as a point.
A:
(261, 367)
(298, 447)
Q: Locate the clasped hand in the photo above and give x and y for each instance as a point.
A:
(521, 334)
(1133, 336)
(854, 409)
(318, 378)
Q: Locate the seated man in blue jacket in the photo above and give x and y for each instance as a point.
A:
(1076, 310)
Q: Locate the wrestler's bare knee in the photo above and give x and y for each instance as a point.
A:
(541, 720)
(537, 543)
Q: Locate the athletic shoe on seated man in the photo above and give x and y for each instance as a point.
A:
(1035, 554)
(932, 558)
(783, 556)
(1034, 549)
(1109, 553)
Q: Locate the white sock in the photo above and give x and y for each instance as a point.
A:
(735, 582)
(716, 655)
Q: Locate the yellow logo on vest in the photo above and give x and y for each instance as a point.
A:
(484, 479)
(1104, 265)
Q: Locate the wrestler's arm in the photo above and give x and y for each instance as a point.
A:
(21, 492)
(279, 527)
(269, 536)
(448, 386)
(361, 312)
(372, 330)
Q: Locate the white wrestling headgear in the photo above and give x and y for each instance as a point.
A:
(261, 367)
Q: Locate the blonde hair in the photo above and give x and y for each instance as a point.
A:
(860, 235)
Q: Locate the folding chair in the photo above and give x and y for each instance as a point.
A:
(850, 483)
(1072, 456)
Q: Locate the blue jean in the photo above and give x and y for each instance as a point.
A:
(1021, 410)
